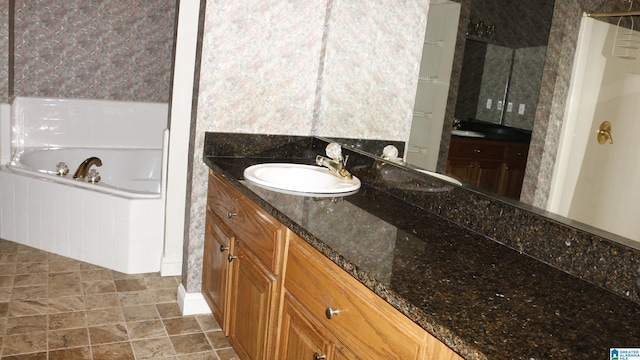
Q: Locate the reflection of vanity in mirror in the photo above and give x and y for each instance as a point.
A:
(488, 79)
(543, 162)
(497, 92)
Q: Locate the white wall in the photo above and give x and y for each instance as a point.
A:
(597, 183)
(180, 125)
(423, 147)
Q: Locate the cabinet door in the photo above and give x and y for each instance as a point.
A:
(512, 178)
(301, 338)
(217, 244)
(461, 170)
(251, 304)
(488, 175)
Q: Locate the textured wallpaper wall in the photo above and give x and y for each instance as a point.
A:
(4, 51)
(301, 68)
(116, 49)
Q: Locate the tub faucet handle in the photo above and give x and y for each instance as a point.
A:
(93, 176)
(62, 169)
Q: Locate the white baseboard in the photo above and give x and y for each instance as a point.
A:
(192, 303)
(171, 266)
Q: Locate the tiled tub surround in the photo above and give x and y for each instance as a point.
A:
(116, 230)
(480, 274)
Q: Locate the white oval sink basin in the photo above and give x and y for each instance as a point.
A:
(299, 178)
(441, 176)
(466, 133)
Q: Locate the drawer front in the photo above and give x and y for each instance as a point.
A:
(222, 198)
(259, 231)
(516, 153)
(367, 325)
(476, 150)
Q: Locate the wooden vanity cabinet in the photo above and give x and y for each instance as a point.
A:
(495, 166)
(243, 265)
(276, 297)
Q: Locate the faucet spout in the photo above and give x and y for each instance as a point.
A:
(84, 167)
(335, 162)
(336, 167)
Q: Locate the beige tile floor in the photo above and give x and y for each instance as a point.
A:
(52, 307)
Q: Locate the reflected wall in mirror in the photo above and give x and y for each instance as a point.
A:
(506, 65)
(494, 78)
(500, 84)
(493, 84)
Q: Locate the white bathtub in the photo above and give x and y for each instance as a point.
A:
(131, 173)
(117, 223)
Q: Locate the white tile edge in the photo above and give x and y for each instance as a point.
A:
(5, 133)
(171, 266)
(192, 303)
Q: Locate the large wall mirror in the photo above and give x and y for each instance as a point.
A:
(480, 76)
(526, 25)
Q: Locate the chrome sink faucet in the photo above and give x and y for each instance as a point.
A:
(336, 162)
(84, 167)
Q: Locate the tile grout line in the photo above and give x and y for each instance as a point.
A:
(154, 291)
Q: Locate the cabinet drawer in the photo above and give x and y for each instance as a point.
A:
(222, 197)
(516, 153)
(367, 325)
(476, 150)
(258, 230)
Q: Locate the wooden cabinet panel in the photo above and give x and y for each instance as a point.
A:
(512, 178)
(475, 150)
(487, 174)
(304, 338)
(516, 152)
(301, 338)
(260, 231)
(218, 242)
(462, 170)
(222, 198)
(368, 326)
(491, 165)
(252, 305)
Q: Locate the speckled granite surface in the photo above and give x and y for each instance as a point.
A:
(471, 270)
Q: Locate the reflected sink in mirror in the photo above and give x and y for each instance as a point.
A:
(404, 178)
(493, 131)
(300, 178)
(446, 178)
(467, 133)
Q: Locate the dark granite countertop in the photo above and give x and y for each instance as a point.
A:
(483, 299)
